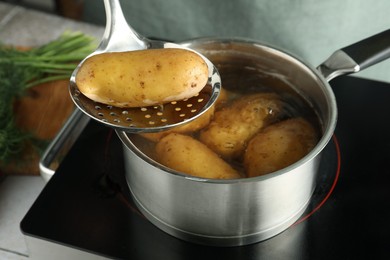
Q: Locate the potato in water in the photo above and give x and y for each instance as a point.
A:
(142, 78)
(188, 155)
(278, 146)
(233, 125)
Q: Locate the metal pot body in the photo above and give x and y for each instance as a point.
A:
(242, 211)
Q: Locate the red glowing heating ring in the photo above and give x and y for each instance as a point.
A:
(331, 188)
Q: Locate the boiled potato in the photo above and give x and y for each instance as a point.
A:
(142, 78)
(278, 146)
(233, 125)
(188, 155)
(224, 97)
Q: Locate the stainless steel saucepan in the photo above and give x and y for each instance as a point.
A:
(244, 211)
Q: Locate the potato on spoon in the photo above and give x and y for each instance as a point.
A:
(142, 78)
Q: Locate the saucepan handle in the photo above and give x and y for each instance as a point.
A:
(357, 56)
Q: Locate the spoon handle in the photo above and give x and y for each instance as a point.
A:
(357, 56)
(118, 34)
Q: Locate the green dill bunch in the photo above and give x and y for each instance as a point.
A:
(12, 85)
(22, 69)
(11, 141)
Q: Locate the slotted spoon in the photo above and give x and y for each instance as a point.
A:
(119, 37)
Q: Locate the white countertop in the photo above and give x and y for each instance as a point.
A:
(17, 194)
(24, 27)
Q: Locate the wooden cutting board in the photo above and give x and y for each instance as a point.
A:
(42, 111)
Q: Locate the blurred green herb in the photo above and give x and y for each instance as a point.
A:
(22, 69)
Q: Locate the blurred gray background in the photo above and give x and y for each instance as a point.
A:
(310, 29)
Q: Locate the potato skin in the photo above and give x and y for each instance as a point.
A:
(278, 146)
(142, 78)
(186, 154)
(233, 126)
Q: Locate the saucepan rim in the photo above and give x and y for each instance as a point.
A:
(327, 134)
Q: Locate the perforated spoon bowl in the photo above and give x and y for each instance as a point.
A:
(120, 37)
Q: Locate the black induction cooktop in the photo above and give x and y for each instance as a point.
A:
(86, 205)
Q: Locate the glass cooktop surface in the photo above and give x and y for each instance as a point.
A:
(87, 205)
